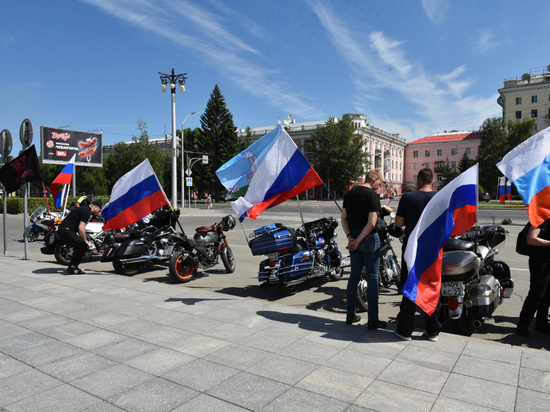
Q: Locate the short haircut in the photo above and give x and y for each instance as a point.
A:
(425, 176)
(374, 174)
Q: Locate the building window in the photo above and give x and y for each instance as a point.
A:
(468, 151)
(518, 114)
(427, 165)
(440, 152)
(453, 152)
(439, 178)
(415, 166)
(427, 153)
(534, 113)
(518, 100)
(453, 165)
(534, 99)
(415, 153)
(535, 128)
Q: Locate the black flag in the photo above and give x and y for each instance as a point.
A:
(24, 168)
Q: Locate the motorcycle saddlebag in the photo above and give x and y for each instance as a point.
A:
(272, 240)
(296, 265)
(459, 266)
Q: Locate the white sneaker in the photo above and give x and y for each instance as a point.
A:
(396, 333)
(431, 338)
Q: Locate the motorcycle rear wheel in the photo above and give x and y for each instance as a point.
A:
(123, 269)
(361, 296)
(288, 290)
(463, 326)
(180, 270)
(32, 234)
(228, 260)
(63, 253)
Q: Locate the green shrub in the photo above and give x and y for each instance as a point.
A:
(15, 204)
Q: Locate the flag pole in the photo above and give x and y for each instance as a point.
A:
(330, 194)
(300, 207)
(46, 196)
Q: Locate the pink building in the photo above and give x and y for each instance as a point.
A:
(434, 151)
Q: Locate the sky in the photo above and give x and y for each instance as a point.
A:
(414, 67)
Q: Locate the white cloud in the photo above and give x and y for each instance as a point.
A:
(436, 10)
(215, 44)
(484, 41)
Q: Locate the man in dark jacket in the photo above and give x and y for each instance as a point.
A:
(72, 231)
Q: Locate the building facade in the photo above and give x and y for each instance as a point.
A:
(386, 150)
(528, 97)
(434, 151)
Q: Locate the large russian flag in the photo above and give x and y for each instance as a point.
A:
(528, 167)
(283, 173)
(134, 196)
(60, 183)
(451, 212)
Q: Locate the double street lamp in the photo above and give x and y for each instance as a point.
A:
(172, 79)
(189, 116)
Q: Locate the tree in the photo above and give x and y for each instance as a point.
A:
(497, 139)
(124, 157)
(337, 153)
(219, 140)
(448, 175)
(465, 163)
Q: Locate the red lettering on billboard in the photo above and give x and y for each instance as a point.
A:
(60, 153)
(61, 136)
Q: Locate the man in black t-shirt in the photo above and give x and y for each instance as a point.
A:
(73, 232)
(538, 297)
(359, 216)
(410, 208)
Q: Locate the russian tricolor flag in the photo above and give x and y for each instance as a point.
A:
(502, 189)
(61, 182)
(134, 196)
(284, 172)
(528, 167)
(451, 212)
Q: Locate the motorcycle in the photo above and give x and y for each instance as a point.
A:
(295, 256)
(96, 243)
(389, 270)
(474, 283)
(208, 244)
(41, 221)
(143, 243)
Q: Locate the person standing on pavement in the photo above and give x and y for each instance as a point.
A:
(538, 297)
(359, 216)
(409, 210)
(84, 201)
(73, 232)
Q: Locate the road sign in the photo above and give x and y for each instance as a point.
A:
(25, 133)
(188, 172)
(6, 143)
(204, 159)
(189, 181)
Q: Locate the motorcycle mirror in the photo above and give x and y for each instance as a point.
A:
(392, 215)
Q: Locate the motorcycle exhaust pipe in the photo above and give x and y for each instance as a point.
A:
(478, 323)
(138, 259)
(192, 261)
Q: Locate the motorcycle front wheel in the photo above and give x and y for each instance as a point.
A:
(228, 260)
(180, 270)
(338, 271)
(123, 269)
(32, 234)
(361, 297)
(63, 253)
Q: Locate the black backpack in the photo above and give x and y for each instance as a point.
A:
(521, 243)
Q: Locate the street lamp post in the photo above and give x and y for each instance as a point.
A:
(172, 79)
(189, 116)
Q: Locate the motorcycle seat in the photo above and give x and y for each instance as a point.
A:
(205, 229)
(457, 245)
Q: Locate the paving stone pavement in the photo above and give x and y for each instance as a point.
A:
(104, 342)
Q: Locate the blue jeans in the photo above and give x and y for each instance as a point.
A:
(366, 255)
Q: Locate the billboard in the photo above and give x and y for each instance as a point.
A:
(57, 146)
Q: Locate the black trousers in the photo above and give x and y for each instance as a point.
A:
(72, 239)
(538, 297)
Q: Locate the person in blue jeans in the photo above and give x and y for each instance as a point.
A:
(359, 216)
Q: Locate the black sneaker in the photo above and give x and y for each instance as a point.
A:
(377, 324)
(75, 271)
(352, 319)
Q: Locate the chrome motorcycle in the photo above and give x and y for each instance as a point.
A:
(474, 283)
(41, 221)
(295, 256)
(143, 243)
(208, 244)
(389, 270)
